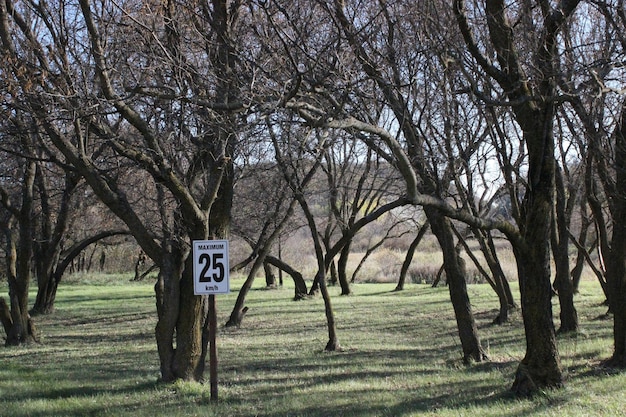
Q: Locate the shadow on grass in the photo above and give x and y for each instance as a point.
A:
(419, 291)
(449, 396)
(341, 375)
(402, 358)
(112, 317)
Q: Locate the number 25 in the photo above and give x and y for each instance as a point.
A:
(218, 267)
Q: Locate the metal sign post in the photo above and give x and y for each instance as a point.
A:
(210, 277)
(212, 348)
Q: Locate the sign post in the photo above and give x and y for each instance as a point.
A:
(212, 348)
(210, 277)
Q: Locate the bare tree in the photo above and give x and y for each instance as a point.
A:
(391, 66)
(17, 225)
(338, 72)
(602, 113)
(147, 93)
(280, 207)
(358, 183)
(294, 166)
(526, 74)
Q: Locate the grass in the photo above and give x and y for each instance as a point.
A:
(401, 357)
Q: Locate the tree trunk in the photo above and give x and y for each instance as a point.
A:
(270, 277)
(455, 276)
(298, 280)
(315, 286)
(616, 265)
(19, 253)
(503, 289)
(5, 316)
(333, 340)
(496, 280)
(560, 252)
(167, 289)
(181, 319)
(323, 264)
(21, 330)
(239, 310)
(342, 265)
(46, 294)
(181, 330)
(333, 271)
(50, 270)
(541, 366)
(616, 278)
(565, 290)
(409, 257)
(48, 247)
(190, 353)
(47, 281)
(577, 271)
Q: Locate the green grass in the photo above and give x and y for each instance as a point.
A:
(401, 357)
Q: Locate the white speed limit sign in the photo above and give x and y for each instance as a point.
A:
(210, 267)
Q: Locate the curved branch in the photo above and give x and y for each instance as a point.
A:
(158, 166)
(461, 18)
(77, 248)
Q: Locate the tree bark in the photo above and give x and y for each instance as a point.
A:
(5, 316)
(342, 265)
(190, 353)
(333, 340)
(560, 251)
(182, 316)
(616, 278)
(167, 290)
(503, 289)
(577, 270)
(541, 367)
(19, 253)
(53, 228)
(616, 265)
(456, 276)
(409, 256)
(298, 280)
(270, 277)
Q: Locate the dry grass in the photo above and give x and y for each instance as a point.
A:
(384, 264)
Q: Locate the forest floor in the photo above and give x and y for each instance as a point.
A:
(401, 356)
